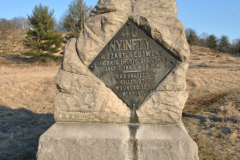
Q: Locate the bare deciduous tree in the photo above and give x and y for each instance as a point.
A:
(4, 24)
(203, 39)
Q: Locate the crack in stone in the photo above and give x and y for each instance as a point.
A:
(75, 73)
(133, 131)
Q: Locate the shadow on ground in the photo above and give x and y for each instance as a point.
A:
(20, 130)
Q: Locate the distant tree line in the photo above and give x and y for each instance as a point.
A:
(221, 44)
(14, 23)
(43, 37)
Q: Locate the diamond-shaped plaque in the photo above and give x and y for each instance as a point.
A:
(132, 64)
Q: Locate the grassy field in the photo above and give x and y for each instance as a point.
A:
(211, 115)
(212, 112)
(26, 108)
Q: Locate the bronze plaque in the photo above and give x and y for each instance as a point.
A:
(132, 64)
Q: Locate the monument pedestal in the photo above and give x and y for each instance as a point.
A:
(98, 141)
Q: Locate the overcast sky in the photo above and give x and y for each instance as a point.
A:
(218, 17)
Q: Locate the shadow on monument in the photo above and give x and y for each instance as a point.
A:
(20, 130)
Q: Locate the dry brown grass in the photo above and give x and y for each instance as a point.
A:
(26, 108)
(211, 114)
(29, 87)
(211, 76)
(216, 131)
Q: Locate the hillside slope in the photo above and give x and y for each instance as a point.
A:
(12, 45)
(11, 42)
(212, 112)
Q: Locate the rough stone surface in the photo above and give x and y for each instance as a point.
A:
(168, 32)
(176, 80)
(137, 7)
(76, 141)
(156, 17)
(162, 107)
(86, 99)
(71, 62)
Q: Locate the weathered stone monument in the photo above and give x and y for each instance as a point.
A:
(122, 87)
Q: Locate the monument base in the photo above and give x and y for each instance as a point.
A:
(94, 141)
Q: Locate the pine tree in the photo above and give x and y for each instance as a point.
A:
(77, 14)
(235, 46)
(224, 44)
(42, 39)
(192, 38)
(212, 42)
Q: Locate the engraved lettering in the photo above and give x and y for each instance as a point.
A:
(147, 42)
(128, 45)
(148, 53)
(123, 45)
(102, 56)
(134, 32)
(140, 46)
(123, 54)
(119, 43)
(119, 55)
(112, 55)
(125, 33)
(130, 54)
(107, 56)
(112, 46)
(134, 43)
(135, 54)
(139, 54)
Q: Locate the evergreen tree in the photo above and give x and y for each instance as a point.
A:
(235, 46)
(42, 39)
(192, 37)
(77, 13)
(212, 42)
(224, 44)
